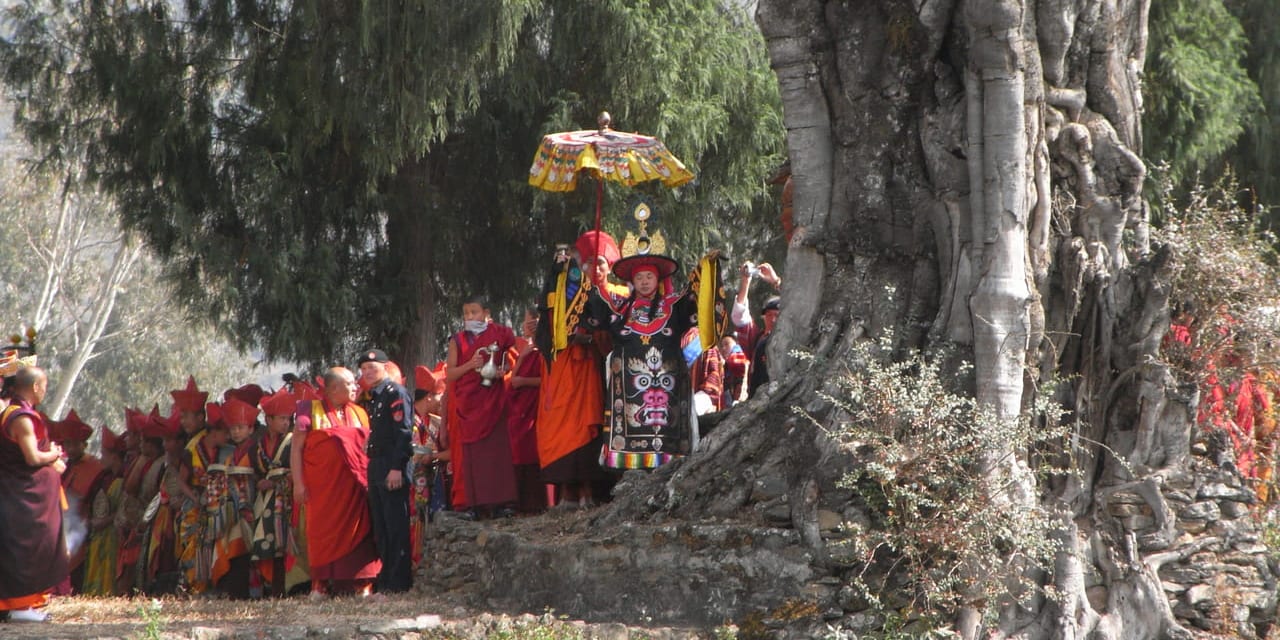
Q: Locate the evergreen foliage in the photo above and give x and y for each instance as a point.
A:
(1197, 95)
(1256, 159)
(299, 166)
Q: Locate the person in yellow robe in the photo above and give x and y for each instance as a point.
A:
(104, 539)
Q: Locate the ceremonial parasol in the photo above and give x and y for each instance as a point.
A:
(625, 158)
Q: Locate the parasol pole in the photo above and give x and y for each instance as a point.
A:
(599, 200)
(602, 121)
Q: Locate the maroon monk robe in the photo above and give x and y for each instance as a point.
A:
(481, 410)
(522, 414)
(522, 411)
(33, 557)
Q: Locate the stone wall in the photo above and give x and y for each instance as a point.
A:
(1219, 576)
(693, 574)
(1197, 531)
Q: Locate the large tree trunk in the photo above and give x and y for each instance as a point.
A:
(966, 172)
(411, 245)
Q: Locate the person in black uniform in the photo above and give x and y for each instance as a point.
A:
(390, 409)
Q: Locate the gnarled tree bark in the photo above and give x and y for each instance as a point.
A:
(968, 172)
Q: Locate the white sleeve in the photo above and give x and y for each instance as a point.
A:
(740, 315)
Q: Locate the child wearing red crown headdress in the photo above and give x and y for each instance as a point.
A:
(276, 545)
(232, 572)
(175, 498)
(429, 491)
(81, 482)
(104, 538)
(204, 471)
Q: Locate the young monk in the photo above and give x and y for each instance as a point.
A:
(274, 540)
(432, 439)
(104, 538)
(232, 572)
(429, 490)
(142, 489)
(204, 473)
(138, 468)
(522, 398)
(176, 497)
(81, 482)
(482, 454)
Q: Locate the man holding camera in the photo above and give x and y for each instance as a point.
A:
(753, 338)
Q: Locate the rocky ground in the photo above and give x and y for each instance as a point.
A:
(402, 617)
(430, 612)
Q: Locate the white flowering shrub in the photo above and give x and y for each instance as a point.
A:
(938, 531)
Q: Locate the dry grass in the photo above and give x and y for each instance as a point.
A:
(87, 617)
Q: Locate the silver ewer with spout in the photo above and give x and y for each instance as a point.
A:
(489, 371)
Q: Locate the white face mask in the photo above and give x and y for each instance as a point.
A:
(474, 326)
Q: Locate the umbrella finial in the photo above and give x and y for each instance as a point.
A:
(604, 120)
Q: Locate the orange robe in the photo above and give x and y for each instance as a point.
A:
(571, 398)
(570, 403)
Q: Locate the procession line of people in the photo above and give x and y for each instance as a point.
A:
(328, 488)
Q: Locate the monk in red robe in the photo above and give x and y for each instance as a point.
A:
(522, 397)
(330, 483)
(475, 366)
(33, 558)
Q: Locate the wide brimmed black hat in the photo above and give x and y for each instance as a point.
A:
(627, 267)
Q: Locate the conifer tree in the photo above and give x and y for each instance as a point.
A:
(1196, 92)
(319, 175)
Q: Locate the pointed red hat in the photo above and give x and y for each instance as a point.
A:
(304, 391)
(71, 428)
(213, 416)
(432, 380)
(191, 398)
(423, 378)
(280, 403)
(237, 411)
(158, 426)
(249, 394)
(146, 421)
(134, 420)
(111, 441)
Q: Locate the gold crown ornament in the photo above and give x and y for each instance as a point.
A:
(644, 243)
(11, 358)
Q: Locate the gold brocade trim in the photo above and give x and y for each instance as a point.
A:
(578, 305)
